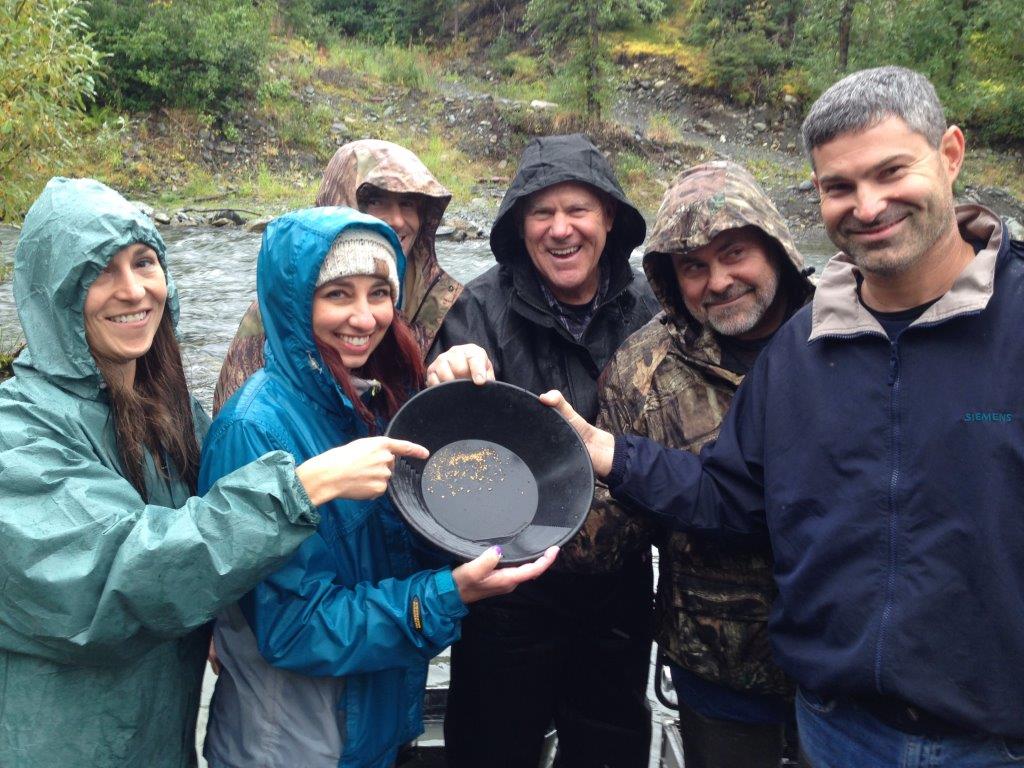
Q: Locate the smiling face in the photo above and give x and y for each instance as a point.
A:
(124, 306)
(732, 284)
(401, 212)
(886, 194)
(351, 316)
(564, 228)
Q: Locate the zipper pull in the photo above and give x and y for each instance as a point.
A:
(894, 362)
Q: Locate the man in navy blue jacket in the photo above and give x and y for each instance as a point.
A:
(877, 442)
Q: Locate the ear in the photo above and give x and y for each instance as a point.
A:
(951, 151)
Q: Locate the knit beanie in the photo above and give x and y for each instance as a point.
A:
(360, 251)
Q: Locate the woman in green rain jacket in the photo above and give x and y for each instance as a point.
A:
(109, 565)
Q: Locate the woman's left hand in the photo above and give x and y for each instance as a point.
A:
(481, 578)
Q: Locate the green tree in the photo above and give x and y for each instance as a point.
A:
(207, 54)
(749, 43)
(971, 50)
(47, 66)
(577, 27)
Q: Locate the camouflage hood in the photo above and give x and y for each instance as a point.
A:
(387, 166)
(703, 202)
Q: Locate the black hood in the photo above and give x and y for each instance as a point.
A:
(550, 160)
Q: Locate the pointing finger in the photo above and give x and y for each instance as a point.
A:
(406, 448)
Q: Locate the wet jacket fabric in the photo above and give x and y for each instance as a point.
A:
(504, 310)
(428, 293)
(325, 661)
(105, 596)
(667, 382)
(549, 636)
(888, 476)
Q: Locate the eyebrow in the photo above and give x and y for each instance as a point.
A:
(876, 167)
(580, 202)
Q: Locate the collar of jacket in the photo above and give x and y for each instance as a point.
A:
(699, 347)
(529, 302)
(837, 310)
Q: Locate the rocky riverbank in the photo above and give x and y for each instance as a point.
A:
(240, 170)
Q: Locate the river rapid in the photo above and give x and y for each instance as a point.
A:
(215, 271)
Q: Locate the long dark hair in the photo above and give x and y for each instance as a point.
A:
(154, 415)
(396, 363)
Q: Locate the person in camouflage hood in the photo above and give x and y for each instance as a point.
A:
(724, 267)
(391, 183)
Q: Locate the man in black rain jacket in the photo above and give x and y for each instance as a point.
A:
(573, 647)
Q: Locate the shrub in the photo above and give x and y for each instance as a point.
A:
(11, 345)
(205, 54)
(46, 76)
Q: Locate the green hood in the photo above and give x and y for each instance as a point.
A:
(70, 234)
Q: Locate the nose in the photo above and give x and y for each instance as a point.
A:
(362, 318)
(870, 203)
(561, 228)
(129, 287)
(719, 278)
(394, 218)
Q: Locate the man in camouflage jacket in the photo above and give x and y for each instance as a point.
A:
(673, 381)
(360, 172)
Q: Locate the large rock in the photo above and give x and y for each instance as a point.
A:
(260, 224)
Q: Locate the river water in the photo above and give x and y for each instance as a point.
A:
(215, 270)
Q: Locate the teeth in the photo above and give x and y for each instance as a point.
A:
(132, 318)
(563, 251)
(356, 341)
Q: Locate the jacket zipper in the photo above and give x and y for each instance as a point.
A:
(894, 475)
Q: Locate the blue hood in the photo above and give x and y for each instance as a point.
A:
(294, 246)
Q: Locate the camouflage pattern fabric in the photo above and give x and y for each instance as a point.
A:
(428, 292)
(666, 382)
(702, 202)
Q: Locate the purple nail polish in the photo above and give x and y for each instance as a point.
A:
(497, 548)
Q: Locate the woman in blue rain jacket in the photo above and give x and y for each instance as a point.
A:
(324, 663)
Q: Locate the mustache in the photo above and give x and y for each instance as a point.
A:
(892, 214)
(734, 292)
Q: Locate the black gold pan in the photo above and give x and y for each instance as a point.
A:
(503, 469)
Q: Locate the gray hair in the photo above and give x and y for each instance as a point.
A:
(866, 98)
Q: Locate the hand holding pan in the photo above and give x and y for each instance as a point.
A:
(478, 579)
(464, 361)
(504, 469)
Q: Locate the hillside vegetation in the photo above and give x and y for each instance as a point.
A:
(238, 103)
